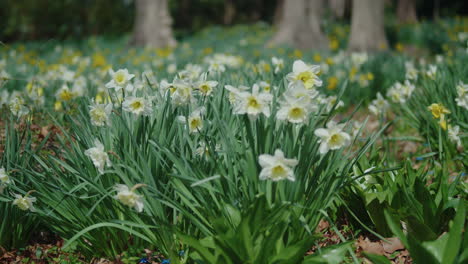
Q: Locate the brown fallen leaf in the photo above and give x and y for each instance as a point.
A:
(393, 245)
(370, 247)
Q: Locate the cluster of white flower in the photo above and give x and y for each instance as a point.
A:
(400, 93)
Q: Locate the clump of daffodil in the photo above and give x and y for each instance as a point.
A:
(438, 112)
(277, 167)
(128, 197)
(25, 203)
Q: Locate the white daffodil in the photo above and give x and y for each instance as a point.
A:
(234, 92)
(4, 178)
(305, 74)
(330, 102)
(298, 91)
(400, 93)
(453, 134)
(253, 103)
(462, 91)
(278, 64)
(295, 110)
(277, 167)
(120, 80)
(17, 107)
(128, 196)
(205, 87)
(358, 58)
(194, 121)
(379, 106)
(265, 86)
(411, 72)
(181, 93)
(138, 105)
(204, 150)
(98, 156)
(24, 203)
(190, 73)
(332, 137)
(431, 72)
(100, 113)
(216, 67)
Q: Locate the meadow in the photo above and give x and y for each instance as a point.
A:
(224, 150)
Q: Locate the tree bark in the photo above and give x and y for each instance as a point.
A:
(406, 11)
(229, 12)
(367, 26)
(337, 7)
(278, 16)
(300, 25)
(153, 24)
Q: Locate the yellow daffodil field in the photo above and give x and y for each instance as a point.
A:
(227, 150)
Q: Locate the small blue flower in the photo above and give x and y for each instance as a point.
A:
(166, 261)
(143, 261)
(419, 158)
(463, 174)
(181, 253)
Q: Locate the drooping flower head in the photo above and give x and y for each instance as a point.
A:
(128, 196)
(98, 156)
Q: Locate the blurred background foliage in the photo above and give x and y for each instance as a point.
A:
(74, 19)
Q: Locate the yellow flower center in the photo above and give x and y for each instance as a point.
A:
(204, 88)
(253, 102)
(278, 171)
(119, 78)
(335, 139)
(66, 95)
(195, 124)
(136, 105)
(296, 112)
(304, 76)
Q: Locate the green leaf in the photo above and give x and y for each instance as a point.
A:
(455, 235)
(377, 259)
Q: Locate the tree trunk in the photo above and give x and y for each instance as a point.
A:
(153, 24)
(229, 12)
(406, 11)
(367, 26)
(278, 16)
(300, 25)
(337, 7)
